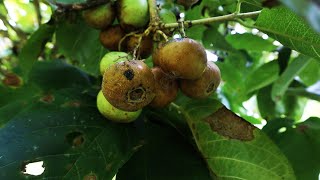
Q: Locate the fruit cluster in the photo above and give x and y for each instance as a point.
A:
(128, 84)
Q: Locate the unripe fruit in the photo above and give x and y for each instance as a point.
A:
(100, 17)
(111, 37)
(187, 3)
(133, 14)
(205, 85)
(145, 48)
(181, 58)
(128, 85)
(112, 58)
(167, 16)
(166, 89)
(114, 114)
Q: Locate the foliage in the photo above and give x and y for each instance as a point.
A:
(52, 117)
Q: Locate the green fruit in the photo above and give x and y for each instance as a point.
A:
(181, 58)
(114, 114)
(205, 85)
(133, 14)
(166, 89)
(128, 85)
(167, 16)
(112, 58)
(111, 37)
(100, 17)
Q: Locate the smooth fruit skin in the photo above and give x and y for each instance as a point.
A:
(166, 89)
(111, 37)
(133, 14)
(205, 85)
(114, 114)
(112, 58)
(181, 58)
(167, 16)
(100, 17)
(145, 48)
(128, 85)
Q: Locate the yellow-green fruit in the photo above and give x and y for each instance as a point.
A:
(128, 85)
(205, 85)
(100, 17)
(181, 58)
(114, 114)
(133, 14)
(112, 58)
(167, 16)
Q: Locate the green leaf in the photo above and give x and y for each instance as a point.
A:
(81, 44)
(300, 143)
(310, 74)
(69, 135)
(165, 155)
(232, 147)
(30, 52)
(213, 40)
(283, 82)
(249, 42)
(289, 29)
(262, 76)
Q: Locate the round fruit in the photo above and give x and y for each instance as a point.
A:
(187, 3)
(133, 14)
(182, 58)
(128, 85)
(167, 16)
(114, 114)
(166, 89)
(111, 37)
(100, 17)
(112, 58)
(205, 85)
(145, 48)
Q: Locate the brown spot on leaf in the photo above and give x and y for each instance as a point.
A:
(228, 124)
(90, 176)
(12, 80)
(109, 166)
(75, 138)
(48, 98)
(74, 103)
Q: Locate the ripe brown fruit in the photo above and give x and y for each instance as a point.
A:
(181, 58)
(205, 85)
(100, 17)
(111, 37)
(166, 89)
(187, 3)
(145, 48)
(128, 85)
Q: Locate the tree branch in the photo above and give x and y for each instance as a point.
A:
(154, 16)
(228, 17)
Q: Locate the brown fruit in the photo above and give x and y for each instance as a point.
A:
(166, 89)
(187, 3)
(128, 85)
(145, 48)
(181, 58)
(100, 17)
(205, 85)
(111, 37)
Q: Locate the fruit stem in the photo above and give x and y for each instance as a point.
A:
(165, 37)
(228, 17)
(153, 11)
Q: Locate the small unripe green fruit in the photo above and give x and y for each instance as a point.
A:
(111, 37)
(112, 58)
(100, 17)
(128, 85)
(182, 58)
(133, 14)
(167, 16)
(114, 114)
(205, 85)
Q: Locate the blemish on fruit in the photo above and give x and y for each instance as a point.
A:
(129, 74)
(210, 87)
(228, 124)
(75, 138)
(136, 94)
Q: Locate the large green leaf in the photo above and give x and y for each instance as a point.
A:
(300, 143)
(310, 74)
(283, 82)
(165, 155)
(30, 52)
(232, 147)
(81, 44)
(289, 29)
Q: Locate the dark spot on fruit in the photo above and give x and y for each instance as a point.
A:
(228, 124)
(136, 94)
(75, 138)
(129, 74)
(210, 87)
